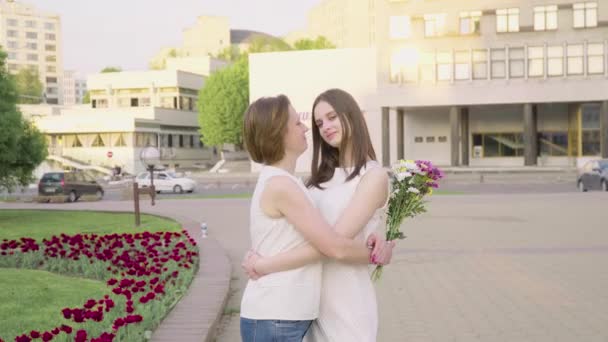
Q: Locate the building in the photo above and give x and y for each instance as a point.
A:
(345, 23)
(483, 83)
(32, 39)
(128, 112)
(74, 88)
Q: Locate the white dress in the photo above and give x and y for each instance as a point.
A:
(348, 311)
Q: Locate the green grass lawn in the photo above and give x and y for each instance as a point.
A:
(202, 196)
(32, 300)
(38, 224)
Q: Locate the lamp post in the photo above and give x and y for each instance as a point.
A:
(149, 156)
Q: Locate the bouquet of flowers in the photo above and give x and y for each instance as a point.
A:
(411, 181)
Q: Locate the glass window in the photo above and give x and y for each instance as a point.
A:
(498, 63)
(400, 27)
(462, 69)
(555, 55)
(470, 22)
(12, 55)
(11, 33)
(51, 68)
(30, 23)
(585, 14)
(49, 26)
(516, 62)
(595, 58)
(12, 22)
(32, 57)
(507, 20)
(31, 35)
(500, 144)
(12, 45)
(31, 46)
(480, 64)
(553, 143)
(536, 61)
(427, 66)
(49, 36)
(434, 25)
(49, 47)
(575, 59)
(444, 66)
(545, 18)
(51, 58)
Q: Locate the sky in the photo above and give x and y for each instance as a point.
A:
(128, 33)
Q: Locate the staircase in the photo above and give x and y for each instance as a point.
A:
(76, 164)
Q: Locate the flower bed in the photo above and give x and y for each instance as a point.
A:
(146, 274)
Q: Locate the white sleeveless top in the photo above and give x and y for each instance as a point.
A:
(289, 295)
(348, 310)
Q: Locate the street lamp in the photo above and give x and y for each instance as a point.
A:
(149, 156)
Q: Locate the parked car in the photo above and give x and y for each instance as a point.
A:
(593, 176)
(70, 184)
(166, 181)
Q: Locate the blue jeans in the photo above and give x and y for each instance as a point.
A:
(261, 330)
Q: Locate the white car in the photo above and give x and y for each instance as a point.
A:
(166, 181)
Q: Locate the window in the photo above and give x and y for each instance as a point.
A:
(51, 68)
(553, 143)
(12, 45)
(585, 14)
(31, 46)
(12, 22)
(51, 58)
(400, 27)
(31, 35)
(170, 140)
(444, 66)
(470, 22)
(181, 140)
(430, 139)
(442, 139)
(51, 90)
(536, 65)
(434, 25)
(98, 142)
(120, 141)
(498, 63)
(462, 67)
(191, 141)
(418, 140)
(30, 23)
(49, 26)
(11, 33)
(32, 57)
(49, 47)
(480, 64)
(76, 142)
(591, 129)
(575, 59)
(545, 18)
(500, 144)
(49, 36)
(595, 58)
(517, 62)
(404, 65)
(51, 80)
(12, 67)
(555, 60)
(427, 66)
(507, 20)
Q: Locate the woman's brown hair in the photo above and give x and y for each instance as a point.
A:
(264, 126)
(326, 158)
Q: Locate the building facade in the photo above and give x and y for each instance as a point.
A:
(74, 88)
(32, 39)
(481, 83)
(128, 112)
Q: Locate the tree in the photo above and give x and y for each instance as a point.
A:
(110, 69)
(267, 44)
(317, 44)
(22, 146)
(29, 87)
(87, 97)
(230, 53)
(222, 103)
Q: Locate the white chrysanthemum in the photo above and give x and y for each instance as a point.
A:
(413, 190)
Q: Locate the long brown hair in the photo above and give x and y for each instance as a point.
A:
(354, 132)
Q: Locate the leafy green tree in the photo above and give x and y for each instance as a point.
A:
(29, 87)
(221, 104)
(87, 97)
(22, 146)
(110, 69)
(267, 44)
(317, 44)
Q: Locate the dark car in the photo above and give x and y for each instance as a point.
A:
(69, 184)
(594, 176)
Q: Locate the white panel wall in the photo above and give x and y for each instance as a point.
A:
(427, 123)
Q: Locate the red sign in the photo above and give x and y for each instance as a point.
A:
(109, 154)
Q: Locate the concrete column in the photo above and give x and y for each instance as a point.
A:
(464, 135)
(530, 135)
(604, 129)
(386, 140)
(400, 137)
(454, 136)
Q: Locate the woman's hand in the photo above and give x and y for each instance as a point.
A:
(248, 265)
(382, 250)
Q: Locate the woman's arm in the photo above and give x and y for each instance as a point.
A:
(371, 194)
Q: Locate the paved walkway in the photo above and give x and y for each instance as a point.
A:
(519, 267)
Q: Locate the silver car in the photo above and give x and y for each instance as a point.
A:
(593, 176)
